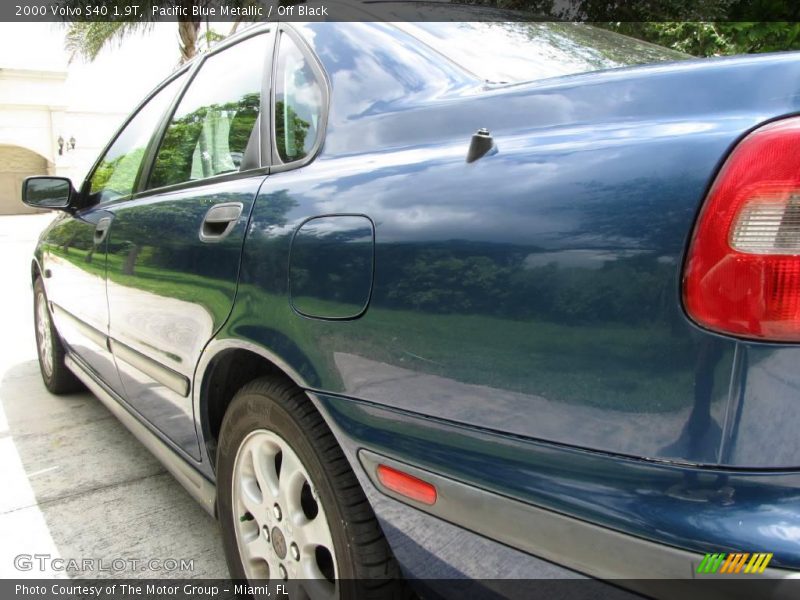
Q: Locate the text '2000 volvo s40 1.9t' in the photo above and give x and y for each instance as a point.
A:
(388, 301)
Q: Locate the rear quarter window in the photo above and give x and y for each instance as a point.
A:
(298, 102)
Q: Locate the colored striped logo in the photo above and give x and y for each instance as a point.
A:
(735, 563)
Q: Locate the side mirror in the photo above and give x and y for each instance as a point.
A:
(48, 192)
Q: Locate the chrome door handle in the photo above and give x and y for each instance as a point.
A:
(220, 221)
(101, 230)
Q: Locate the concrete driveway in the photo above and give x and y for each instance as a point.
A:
(75, 484)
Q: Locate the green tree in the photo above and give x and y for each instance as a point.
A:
(290, 132)
(703, 38)
(708, 28)
(176, 155)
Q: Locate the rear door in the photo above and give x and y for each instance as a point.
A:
(174, 250)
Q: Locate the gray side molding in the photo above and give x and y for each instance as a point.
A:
(153, 369)
(97, 336)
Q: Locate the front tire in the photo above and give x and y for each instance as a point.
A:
(289, 505)
(58, 379)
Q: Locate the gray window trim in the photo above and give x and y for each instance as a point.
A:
(277, 164)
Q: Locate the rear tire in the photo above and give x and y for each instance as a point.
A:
(285, 490)
(58, 379)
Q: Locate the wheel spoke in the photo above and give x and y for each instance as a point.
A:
(317, 587)
(250, 502)
(295, 589)
(313, 533)
(258, 547)
(264, 468)
(290, 484)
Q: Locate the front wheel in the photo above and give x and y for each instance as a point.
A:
(290, 507)
(55, 374)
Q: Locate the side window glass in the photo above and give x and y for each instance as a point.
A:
(298, 102)
(212, 126)
(115, 175)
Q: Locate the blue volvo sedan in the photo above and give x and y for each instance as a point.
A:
(450, 300)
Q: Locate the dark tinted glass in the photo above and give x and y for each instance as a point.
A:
(211, 128)
(298, 103)
(116, 174)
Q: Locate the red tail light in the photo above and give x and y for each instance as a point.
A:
(743, 269)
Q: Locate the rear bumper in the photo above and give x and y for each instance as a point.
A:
(605, 516)
(472, 521)
(446, 561)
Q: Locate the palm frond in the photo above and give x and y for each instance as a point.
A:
(87, 39)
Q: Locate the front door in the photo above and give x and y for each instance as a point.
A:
(174, 250)
(75, 248)
(74, 261)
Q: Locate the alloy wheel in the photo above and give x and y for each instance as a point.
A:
(281, 527)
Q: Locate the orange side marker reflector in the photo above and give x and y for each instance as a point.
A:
(407, 485)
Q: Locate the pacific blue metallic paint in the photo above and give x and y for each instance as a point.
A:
(536, 291)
